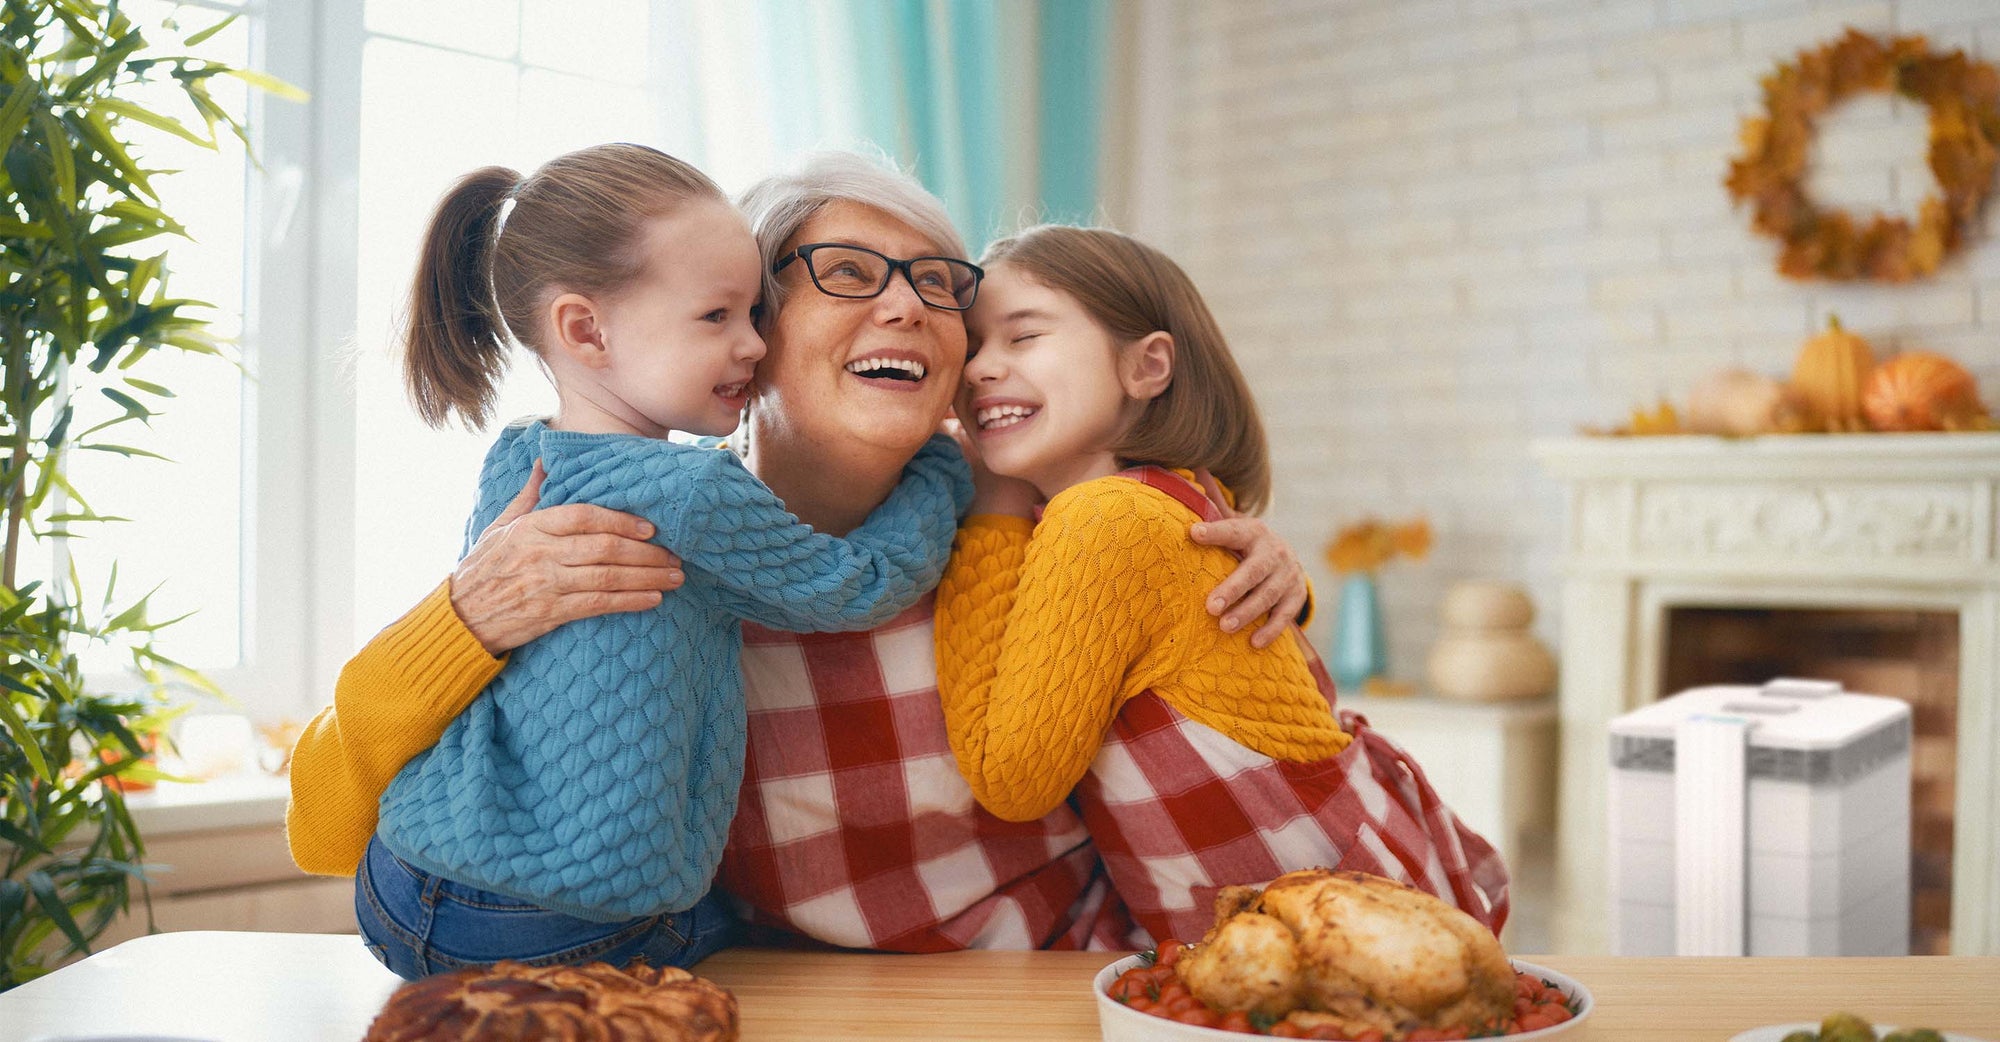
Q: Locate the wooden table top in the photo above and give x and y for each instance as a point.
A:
(250, 987)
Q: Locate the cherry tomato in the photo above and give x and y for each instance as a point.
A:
(1534, 1022)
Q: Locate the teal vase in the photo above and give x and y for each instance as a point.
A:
(1359, 651)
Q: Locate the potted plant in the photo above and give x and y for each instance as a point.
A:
(82, 306)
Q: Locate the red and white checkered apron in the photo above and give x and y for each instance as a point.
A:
(1178, 810)
(855, 829)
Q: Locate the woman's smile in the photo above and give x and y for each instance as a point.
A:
(891, 370)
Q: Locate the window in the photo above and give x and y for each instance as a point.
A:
(477, 83)
(308, 506)
(186, 519)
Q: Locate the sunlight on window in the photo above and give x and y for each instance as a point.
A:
(553, 37)
(479, 26)
(186, 516)
(413, 486)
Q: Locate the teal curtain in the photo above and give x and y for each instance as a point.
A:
(996, 105)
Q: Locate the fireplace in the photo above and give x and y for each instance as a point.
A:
(1867, 559)
(1911, 655)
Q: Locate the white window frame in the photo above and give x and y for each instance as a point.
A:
(301, 298)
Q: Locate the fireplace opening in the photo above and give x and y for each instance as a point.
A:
(1911, 655)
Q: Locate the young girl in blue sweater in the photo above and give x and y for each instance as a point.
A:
(577, 809)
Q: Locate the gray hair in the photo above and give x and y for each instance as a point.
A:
(779, 205)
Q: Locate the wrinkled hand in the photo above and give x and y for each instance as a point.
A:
(1270, 582)
(991, 493)
(533, 570)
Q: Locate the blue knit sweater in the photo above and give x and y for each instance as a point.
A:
(596, 775)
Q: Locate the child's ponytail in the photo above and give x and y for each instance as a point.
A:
(455, 346)
(576, 226)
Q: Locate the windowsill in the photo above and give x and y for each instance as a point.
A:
(237, 801)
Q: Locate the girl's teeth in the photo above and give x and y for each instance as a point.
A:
(998, 416)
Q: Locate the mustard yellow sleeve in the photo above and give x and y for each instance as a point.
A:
(393, 701)
(1036, 636)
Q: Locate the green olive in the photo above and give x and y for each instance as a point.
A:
(1925, 1035)
(1801, 1036)
(1845, 1027)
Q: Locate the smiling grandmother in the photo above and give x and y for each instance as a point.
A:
(853, 826)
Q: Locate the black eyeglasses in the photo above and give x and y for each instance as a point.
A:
(857, 273)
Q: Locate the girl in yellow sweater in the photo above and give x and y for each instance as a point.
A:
(1075, 654)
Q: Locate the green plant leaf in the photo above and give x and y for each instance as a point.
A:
(83, 516)
(134, 210)
(133, 409)
(13, 834)
(20, 100)
(269, 84)
(124, 450)
(52, 904)
(15, 229)
(60, 429)
(149, 387)
(202, 37)
(23, 735)
(157, 121)
(120, 233)
(98, 133)
(55, 138)
(107, 65)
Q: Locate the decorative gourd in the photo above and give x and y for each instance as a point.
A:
(1487, 652)
(1739, 403)
(1828, 378)
(1920, 391)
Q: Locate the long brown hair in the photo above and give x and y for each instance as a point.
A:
(575, 226)
(1205, 417)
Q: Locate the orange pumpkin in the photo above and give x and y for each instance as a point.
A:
(1921, 392)
(1828, 378)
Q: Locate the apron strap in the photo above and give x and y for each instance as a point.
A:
(1185, 492)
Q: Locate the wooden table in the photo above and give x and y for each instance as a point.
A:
(250, 987)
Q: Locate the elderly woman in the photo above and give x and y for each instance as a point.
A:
(853, 827)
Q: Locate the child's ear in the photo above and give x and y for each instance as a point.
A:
(1146, 366)
(579, 331)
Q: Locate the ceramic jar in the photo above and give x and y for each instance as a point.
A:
(1487, 653)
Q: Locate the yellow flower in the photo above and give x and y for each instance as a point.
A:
(1369, 544)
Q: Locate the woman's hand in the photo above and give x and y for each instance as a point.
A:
(1269, 581)
(991, 493)
(533, 570)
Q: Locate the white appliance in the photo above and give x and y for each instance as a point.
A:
(1769, 820)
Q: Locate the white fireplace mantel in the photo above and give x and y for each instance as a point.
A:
(1903, 521)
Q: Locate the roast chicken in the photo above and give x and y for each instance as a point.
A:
(1357, 951)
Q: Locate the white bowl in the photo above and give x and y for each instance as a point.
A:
(1777, 1032)
(1121, 1023)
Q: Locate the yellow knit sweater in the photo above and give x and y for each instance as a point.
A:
(1044, 631)
(393, 701)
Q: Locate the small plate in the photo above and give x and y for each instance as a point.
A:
(1777, 1032)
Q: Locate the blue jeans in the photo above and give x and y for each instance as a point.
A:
(418, 924)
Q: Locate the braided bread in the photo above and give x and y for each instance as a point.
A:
(594, 1002)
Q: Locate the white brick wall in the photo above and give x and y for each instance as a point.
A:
(1436, 229)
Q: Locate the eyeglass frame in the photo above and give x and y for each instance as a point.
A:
(805, 251)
